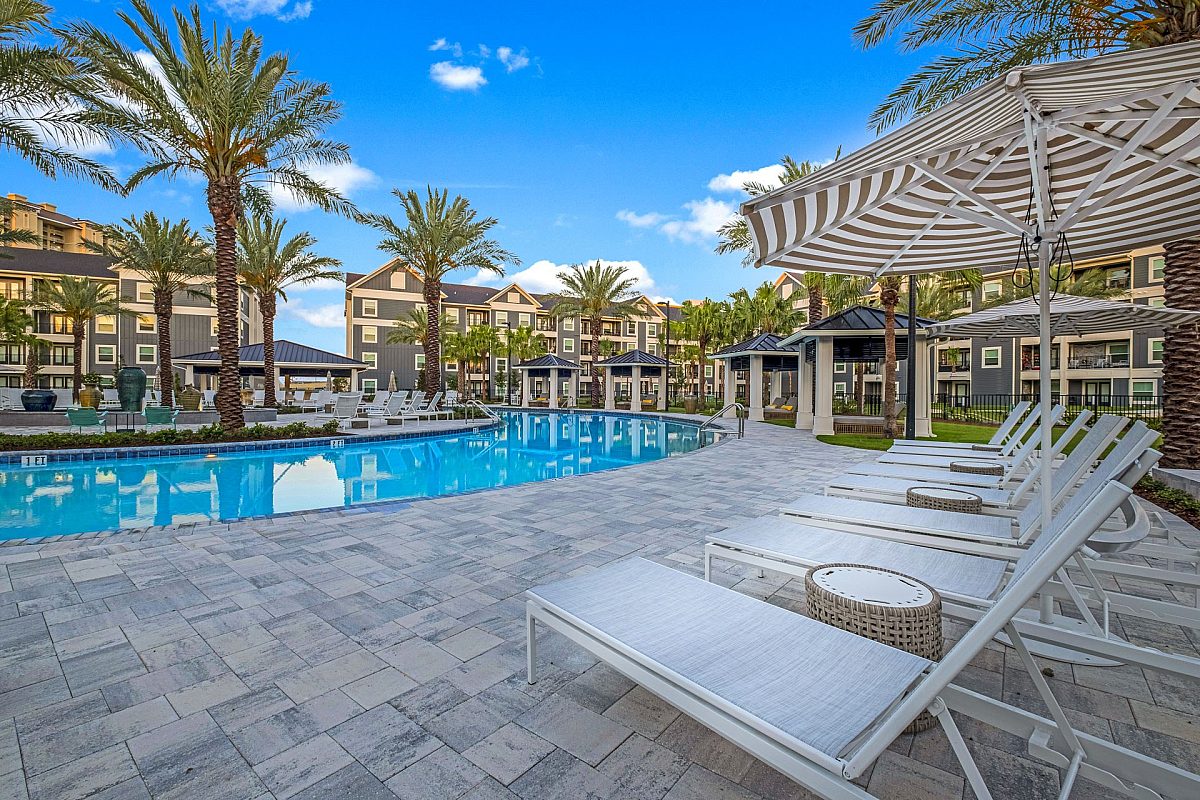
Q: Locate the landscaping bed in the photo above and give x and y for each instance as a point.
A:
(1176, 501)
(209, 434)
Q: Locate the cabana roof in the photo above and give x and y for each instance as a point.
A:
(855, 321)
(764, 344)
(634, 358)
(548, 361)
(291, 358)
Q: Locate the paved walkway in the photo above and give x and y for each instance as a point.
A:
(378, 653)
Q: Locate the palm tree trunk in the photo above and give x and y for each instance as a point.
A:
(433, 334)
(267, 303)
(224, 203)
(77, 354)
(597, 394)
(889, 297)
(487, 376)
(1181, 370)
(860, 386)
(816, 304)
(31, 364)
(166, 376)
(702, 394)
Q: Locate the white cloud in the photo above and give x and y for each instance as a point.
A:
(700, 225)
(455, 77)
(325, 284)
(345, 178)
(442, 44)
(485, 51)
(511, 59)
(245, 9)
(734, 181)
(641, 220)
(325, 316)
(543, 276)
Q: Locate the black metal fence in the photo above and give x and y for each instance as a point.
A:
(993, 408)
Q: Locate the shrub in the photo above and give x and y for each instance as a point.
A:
(209, 434)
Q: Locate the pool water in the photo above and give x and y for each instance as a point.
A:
(81, 497)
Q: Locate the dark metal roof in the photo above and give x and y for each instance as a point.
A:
(547, 361)
(354, 277)
(863, 318)
(53, 262)
(634, 358)
(762, 343)
(286, 352)
(468, 295)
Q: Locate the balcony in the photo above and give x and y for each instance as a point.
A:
(962, 365)
(546, 324)
(1111, 361)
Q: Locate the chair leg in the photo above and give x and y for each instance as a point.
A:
(530, 648)
(974, 778)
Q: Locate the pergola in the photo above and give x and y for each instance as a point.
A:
(766, 352)
(549, 366)
(292, 360)
(854, 336)
(631, 365)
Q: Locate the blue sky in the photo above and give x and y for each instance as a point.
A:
(612, 131)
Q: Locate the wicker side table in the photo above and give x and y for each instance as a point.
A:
(977, 466)
(879, 604)
(939, 498)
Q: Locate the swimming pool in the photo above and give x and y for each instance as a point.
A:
(82, 497)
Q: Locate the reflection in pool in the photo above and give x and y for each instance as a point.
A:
(126, 493)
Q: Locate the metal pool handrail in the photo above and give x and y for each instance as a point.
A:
(492, 415)
(741, 418)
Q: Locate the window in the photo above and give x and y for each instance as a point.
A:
(568, 323)
(212, 325)
(1157, 302)
(370, 308)
(145, 354)
(12, 289)
(652, 348)
(370, 334)
(61, 355)
(839, 389)
(145, 323)
(451, 366)
(106, 324)
(991, 357)
(1156, 351)
(631, 328)
(1118, 354)
(398, 280)
(367, 385)
(106, 354)
(1117, 278)
(961, 296)
(708, 370)
(568, 345)
(144, 293)
(1158, 266)
(992, 290)
(419, 361)
(452, 314)
(370, 359)
(501, 319)
(501, 365)
(1142, 391)
(652, 330)
(475, 318)
(839, 367)
(514, 297)
(523, 320)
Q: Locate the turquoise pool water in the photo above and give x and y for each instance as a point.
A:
(80, 497)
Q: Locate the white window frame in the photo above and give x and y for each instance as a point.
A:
(708, 370)
(1133, 393)
(451, 366)
(106, 323)
(371, 359)
(370, 307)
(1162, 261)
(452, 314)
(145, 293)
(370, 334)
(839, 388)
(651, 330)
(419, 361)
(398, 280)
(1157, 302)
(568, 323)
(112, 348)
(652, 348)
(986, 295)
(630, 328)
(213, 325)
(839, 366)
(147, 318)
(983, 357)
(568, 345)
(1150, 350)
(153, 354)
(501, 320)
(523, 321)
(368, 385)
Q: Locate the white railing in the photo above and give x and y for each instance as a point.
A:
(487, 412)
(741, 418)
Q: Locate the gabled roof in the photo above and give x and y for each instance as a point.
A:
(863, 318)
(53, 262)
(762, 344)
(512, 287)
(466, 294)
(286, 352)
(547, 361)
(634, 357)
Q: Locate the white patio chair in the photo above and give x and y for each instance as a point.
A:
(430, 410)
(819, 704)
(345, 408)
(10, 399)
(377, 404)
(209, 397)
(1028, 427)
(391, 408)
(1002, 435)
(1007, 455)
(258, 397)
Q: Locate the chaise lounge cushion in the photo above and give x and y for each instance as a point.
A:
(778, 671)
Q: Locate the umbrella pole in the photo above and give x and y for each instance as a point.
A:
(1045, 458)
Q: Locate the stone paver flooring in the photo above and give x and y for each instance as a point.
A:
(378, 653)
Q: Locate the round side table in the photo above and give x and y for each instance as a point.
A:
(977, 466)
(879, 604)
(940, 498)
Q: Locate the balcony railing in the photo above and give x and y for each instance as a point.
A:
(962, 366)
(1099, 362)
(993, 408)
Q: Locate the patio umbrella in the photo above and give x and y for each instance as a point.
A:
(392, 386)
(1069, 316)
(1074, 159)
(329, 381)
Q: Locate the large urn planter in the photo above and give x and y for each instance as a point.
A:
(131, 388)
(90, 396)
(691, 404)
(189, 398)
(38, 399)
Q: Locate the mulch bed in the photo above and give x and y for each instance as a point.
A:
(1176, 501)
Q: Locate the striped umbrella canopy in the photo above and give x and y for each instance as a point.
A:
(1069, 316)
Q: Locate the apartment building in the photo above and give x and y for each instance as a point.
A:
(1122, 369)
(55, 231)
(108, 339)
(375, 300)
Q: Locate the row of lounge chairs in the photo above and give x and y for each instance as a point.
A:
(822, 705)
(390, 406)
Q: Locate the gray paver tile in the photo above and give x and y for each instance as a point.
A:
(384, 740)
(206, 694)
(419, 659)
(441, 775)
(643, 769)
(508, 753)
(298, 768)
(353, 782)
(470, 643)
(641, 711)
(379, 687)
(84, 777)
(582, 733)
(286, 729)
(700, 784)
(57, 748)
(193, 758)
(308, 683)
(561, 776)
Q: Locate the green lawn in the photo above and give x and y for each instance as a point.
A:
(944, 431)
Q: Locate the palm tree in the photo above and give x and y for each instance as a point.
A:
(15, 325)
(483, 340)
(80, 300)
(40, 87)
(413, 328)
(439, 236)
(593, 292)
(170, 257)
(457, 348)
(702, 324)
(268, 265)
(987, 38)
(523, 344)
(215, 107)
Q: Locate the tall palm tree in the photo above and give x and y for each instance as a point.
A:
(524, 343)
(702, 324)
(593, 292)
(439, 235)
(15, 327)
(457, 348)
(214, 107)
(413, 328)
(168, 256)
(40, 87)
(268, 266)
(483, 340)
(983, 39)
(80, 300)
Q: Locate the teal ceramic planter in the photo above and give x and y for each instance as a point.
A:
(131, 388)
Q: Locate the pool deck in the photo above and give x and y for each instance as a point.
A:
(379, 653)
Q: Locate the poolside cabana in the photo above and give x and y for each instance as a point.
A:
(550, 367)
(765, 352)
(854, 336)
(634, 364)
(292, 360)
